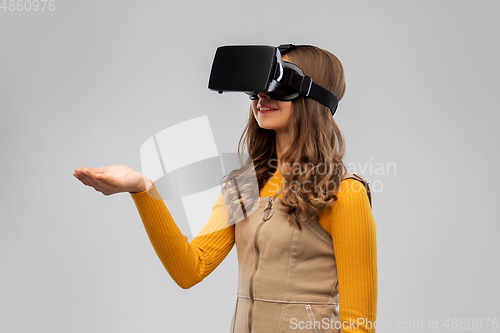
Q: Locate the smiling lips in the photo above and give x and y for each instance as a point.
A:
(263, 108)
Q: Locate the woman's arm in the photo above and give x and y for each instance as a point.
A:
(352, 227)
(187, 263)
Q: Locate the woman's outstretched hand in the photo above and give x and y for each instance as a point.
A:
(113, 179)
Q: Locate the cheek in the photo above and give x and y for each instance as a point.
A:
(253, 106)
(287, 108)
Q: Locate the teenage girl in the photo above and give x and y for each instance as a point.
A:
(307, 256)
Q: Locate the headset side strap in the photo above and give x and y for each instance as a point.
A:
(306, 86)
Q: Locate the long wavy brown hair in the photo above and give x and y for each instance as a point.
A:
(312, 163)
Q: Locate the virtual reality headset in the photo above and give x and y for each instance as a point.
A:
(260, 68)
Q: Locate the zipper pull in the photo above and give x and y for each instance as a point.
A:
(268, 211)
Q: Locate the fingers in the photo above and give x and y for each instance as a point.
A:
(84, 177)
(82, 171)
(89, 178)
(100, 169)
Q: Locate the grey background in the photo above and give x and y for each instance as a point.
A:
(87, 84)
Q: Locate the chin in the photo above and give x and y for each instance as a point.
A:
(269, 126)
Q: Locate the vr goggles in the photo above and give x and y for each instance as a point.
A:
(258, 68)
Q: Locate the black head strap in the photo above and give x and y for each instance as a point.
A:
(305, 85)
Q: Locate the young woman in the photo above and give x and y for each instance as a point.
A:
(307, 255)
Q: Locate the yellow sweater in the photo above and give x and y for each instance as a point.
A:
(350, 223)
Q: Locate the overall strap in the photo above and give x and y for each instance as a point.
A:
(362, 180)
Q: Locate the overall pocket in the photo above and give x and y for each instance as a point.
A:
(316, 324)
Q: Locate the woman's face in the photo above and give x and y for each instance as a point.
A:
(270, 113)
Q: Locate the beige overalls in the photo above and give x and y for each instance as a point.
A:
(287, 278)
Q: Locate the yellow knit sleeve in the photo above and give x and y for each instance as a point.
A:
(187, 262)
(352, 227)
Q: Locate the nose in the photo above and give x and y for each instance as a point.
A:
(263, 95)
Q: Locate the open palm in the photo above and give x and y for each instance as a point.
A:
(113, 179)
